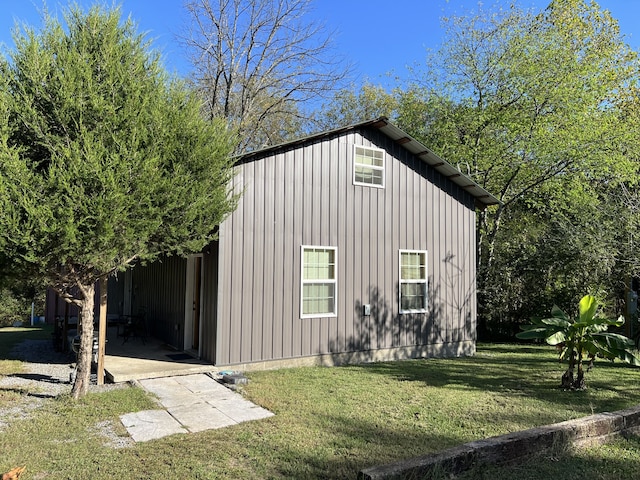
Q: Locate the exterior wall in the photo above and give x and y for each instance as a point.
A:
(159, 289)
(304, 195)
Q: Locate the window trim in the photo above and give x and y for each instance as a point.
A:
(304, 282)
(424, 281)
(373, 167)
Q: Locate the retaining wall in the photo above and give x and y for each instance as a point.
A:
(507, 448)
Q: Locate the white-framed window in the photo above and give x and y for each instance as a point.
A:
(413, 281)
(318, 282)
(368, 166)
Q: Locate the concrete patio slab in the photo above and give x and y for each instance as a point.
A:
(201, 384)
(137, 360)
(151, 424)
(191, 403)
(200, 417)
(246, 413)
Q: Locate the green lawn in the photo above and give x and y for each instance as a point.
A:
(332, 422)
(618, 460)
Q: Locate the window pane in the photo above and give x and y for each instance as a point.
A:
(364, 160)
(412, 296)
(413, 280)
(413, 266)
(369, 156)
(363, 175)
(318, 264)
(324, 257)
(318, 283)
(411, 273)
(369, 166)
(318, 298)
(369, 176)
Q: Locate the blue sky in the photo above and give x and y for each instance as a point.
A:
(377, 36)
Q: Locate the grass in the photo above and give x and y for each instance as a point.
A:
(617, 460)
(332, 422)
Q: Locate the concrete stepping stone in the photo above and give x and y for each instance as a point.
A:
(191, 403)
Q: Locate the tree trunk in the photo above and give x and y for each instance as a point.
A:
(579, 383)
(571, 382)
(85, 330)
(567, 377)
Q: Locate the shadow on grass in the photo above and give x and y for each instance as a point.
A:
(532, 371)
(618, 460)
(357, 444)
(24, 391)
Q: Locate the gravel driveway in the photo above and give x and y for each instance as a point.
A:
(46, 375)
(46, 371)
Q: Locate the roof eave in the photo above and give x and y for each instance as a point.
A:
(482, 197)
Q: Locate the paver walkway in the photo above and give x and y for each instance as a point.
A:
(192, 403)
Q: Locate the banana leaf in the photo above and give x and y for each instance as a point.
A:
(539, 333)
(556, 338)
(558, 313)
(556, 322)
(587, 307)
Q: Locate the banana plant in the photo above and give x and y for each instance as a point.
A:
(581, 339)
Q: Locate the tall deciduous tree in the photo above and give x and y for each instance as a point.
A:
(256, 63)
(104, 161)
(350, 106)
(527, 105)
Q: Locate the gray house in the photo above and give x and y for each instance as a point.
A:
(356, 244)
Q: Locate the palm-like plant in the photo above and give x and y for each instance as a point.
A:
(581, 339)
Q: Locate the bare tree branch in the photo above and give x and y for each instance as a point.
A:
(257, 62)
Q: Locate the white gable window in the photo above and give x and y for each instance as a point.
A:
(413, 281)
(368, 166)
(318, 297)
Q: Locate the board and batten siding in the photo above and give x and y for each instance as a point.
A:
(304, 195)
(159, 290)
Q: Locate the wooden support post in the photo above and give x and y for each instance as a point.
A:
(102, 329)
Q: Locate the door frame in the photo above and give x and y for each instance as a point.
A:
(193, 286)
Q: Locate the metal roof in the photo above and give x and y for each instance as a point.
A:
(441, 166)
(483, 197)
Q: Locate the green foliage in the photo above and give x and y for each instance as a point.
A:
(570, 235)
(539, 108)
(15, 303)
(11, 308)
(109, 159)
(17, 294)
(348, 107)
(584, 337)
(104, 160)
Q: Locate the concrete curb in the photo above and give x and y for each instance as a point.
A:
(595, 429)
